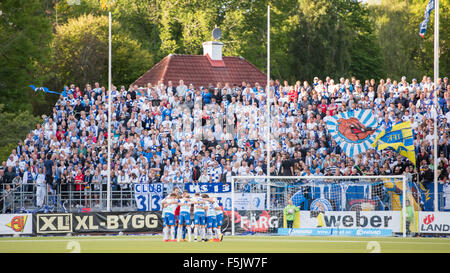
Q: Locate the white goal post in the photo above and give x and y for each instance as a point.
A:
(328, 205)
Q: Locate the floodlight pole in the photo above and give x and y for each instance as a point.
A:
(268, 119)
(436, 76)
(108, 189)
(404, 193)
(232, 206)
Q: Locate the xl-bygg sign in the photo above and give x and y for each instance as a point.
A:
(54, 223)
(116, 222)
(434, 222)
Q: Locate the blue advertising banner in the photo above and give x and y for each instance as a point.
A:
(335, 231)
(208, 187)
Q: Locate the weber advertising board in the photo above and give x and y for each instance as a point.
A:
(352, 219)
(346, 223)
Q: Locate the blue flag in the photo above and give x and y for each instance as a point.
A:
(423, 25)
(45, 89)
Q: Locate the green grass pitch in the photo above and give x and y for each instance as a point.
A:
(230, 244)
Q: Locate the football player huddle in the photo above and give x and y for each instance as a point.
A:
(177, 212)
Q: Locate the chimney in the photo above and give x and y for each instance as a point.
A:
(213, 49)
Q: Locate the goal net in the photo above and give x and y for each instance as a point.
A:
(320, 205)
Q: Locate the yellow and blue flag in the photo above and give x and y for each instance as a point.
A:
(400, 138)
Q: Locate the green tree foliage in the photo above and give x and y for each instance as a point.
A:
(186, 24)
(405, 53)
(25, 32)
(80, 49)
(321, 41)
(331, 38)
(15, 127)
(253, 30)
(423, 54)
(140, 19)
(365, 53)
(397, 37)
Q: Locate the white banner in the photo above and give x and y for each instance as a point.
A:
(352, 219)
(148, 196)
(242, 201)
(16, 224)
(434, 222)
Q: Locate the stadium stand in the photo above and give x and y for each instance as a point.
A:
(191, 133)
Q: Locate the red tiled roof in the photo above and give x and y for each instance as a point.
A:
(201, 71)
(215, 63)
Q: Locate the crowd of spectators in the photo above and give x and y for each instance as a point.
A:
(184, 133)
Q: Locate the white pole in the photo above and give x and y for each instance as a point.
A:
(436, 76)
(404, 206)
(268, 119)
(232, 206)
(268, 91)
(108, 191)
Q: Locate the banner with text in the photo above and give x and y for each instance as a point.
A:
(362, 232)
(434, 222)
(389, 220)
(104, 222)
(242, 201)
(258, 221)
(117, 222)
(148, 196)
(207, 187)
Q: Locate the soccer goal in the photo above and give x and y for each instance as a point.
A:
(322, 205)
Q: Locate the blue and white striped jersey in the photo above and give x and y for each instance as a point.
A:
(185, 205)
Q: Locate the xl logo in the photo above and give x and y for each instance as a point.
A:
(429, 219)
(54, 223)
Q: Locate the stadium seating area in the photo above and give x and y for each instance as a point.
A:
(185, 133)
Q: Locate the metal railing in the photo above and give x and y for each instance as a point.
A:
(66, 198)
